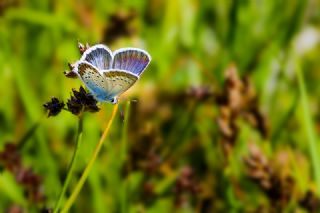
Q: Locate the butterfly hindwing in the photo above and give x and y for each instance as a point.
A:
(99, 56)
(119, 81)
(95, 82)
(133, 60)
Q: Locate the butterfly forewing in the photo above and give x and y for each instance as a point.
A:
(119, 81)
(95, 82)
(131, 59)
(99, 55)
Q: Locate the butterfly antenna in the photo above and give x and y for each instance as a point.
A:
(121, 99)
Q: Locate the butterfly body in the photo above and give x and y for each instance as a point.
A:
(107, 75)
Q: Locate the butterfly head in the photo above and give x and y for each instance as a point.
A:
(113, 100)
(104, 98)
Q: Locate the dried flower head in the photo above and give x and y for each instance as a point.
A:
(74, 105)
(238, 100)
(82, 48)
(82, 101)
(79, 102)
(46, 210)
(199, 93)
(310, 202)
(278, 187)
(70, 73)
(54, 106)
(120, 25)
(14, 209)
(258, 167)
(186, 186)
(10, 159)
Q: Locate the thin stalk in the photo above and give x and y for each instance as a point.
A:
(282, 124)
(21, 143)
(124, 148)
(72, 164)
(307, 120)
(86, 172)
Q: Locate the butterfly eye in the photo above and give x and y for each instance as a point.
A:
(114, 100)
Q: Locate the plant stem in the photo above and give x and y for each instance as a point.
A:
(124, 148)
(72, 164)
(307, 120)
(86, 172)
(21, 143)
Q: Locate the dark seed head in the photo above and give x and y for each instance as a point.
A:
(54, 106)
(82, 100)
(82, 47)
(74, 105)
(70, 74)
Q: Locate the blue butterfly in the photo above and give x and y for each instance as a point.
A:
(108, 74)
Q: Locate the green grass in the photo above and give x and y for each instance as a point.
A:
(309, 127)
(171, 127)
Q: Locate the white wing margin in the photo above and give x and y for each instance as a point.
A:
(99, 56)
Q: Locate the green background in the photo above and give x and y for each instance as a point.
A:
(192, 44)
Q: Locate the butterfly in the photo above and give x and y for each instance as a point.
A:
(108, 74)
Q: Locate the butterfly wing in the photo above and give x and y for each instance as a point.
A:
(119, 81)
(98, 55)
(94, 81)
(133, 60)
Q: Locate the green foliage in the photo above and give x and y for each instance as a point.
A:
(171, 128)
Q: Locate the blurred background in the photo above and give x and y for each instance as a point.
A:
(226, 118)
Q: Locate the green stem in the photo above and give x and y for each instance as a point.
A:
(71, 166)
(21, 143)
(307, 119)
(86, 172)
(283, 122)
(124, 149)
